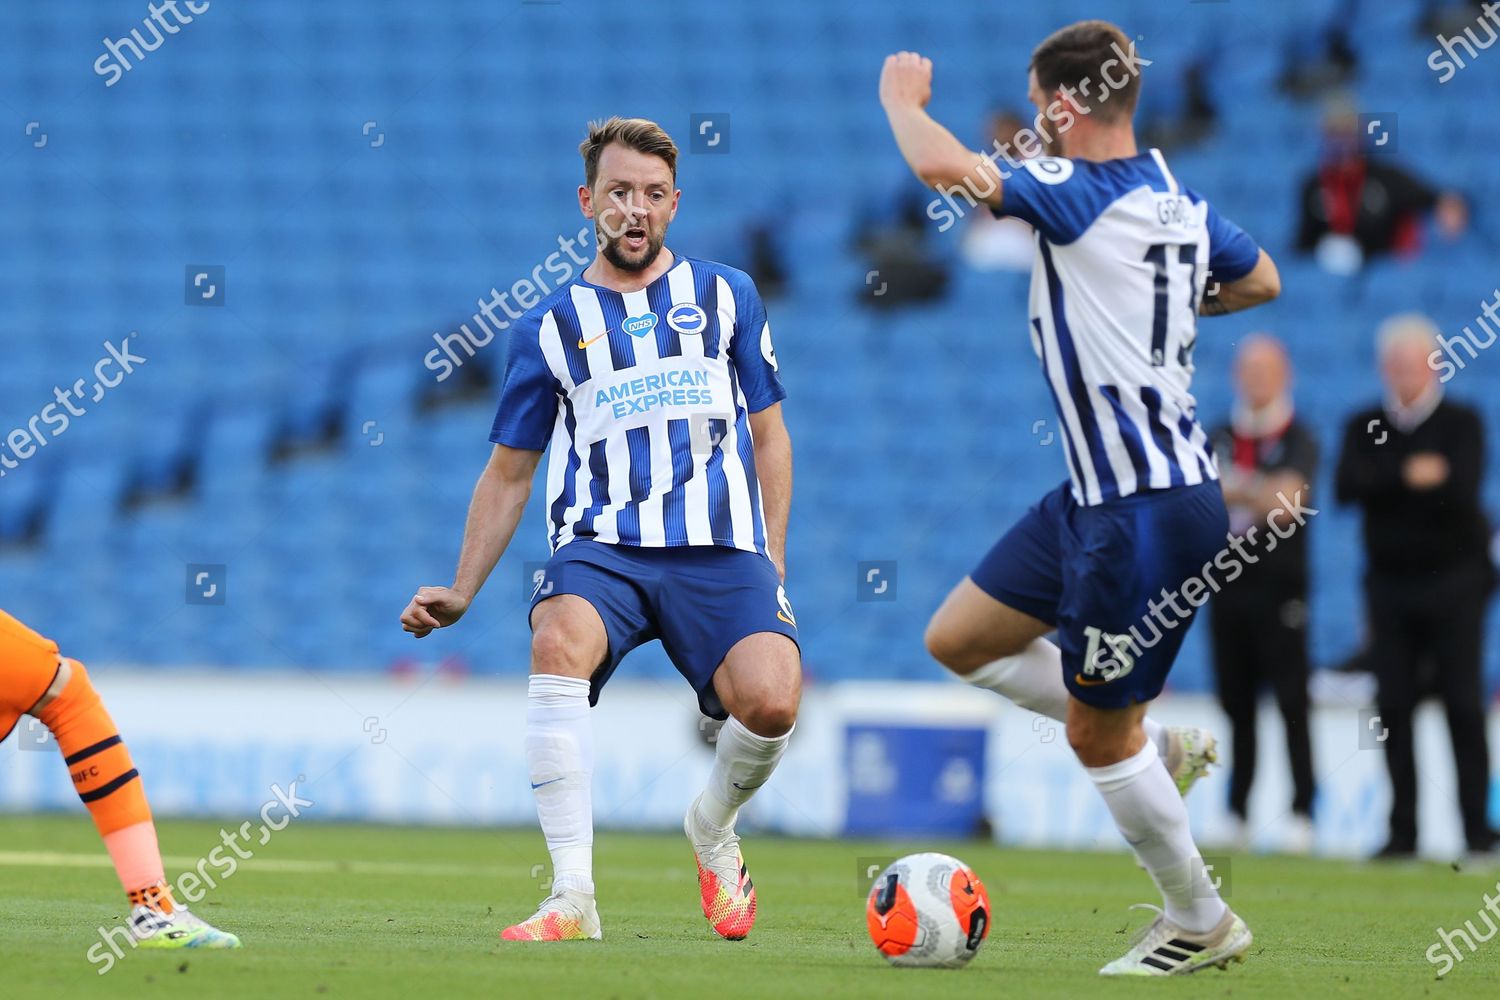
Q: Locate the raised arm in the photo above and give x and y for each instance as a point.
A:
(932, 152)
(773, 468)
(499, 498)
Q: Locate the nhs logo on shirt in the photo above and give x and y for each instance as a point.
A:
(639, 326)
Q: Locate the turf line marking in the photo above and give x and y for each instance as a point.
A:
(286, 866)
(54, 859)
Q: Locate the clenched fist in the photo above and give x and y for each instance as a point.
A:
(905, 81)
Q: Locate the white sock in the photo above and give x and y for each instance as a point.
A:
(560, 757)
(1033, 679)
(1151, 816)
(742, 763)
(1156, 733)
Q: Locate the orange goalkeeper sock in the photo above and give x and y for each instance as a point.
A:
(138, 862)
(109, 785)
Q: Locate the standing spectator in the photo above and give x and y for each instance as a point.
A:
(1259, 622)
(1355, 206)
(1414, 467)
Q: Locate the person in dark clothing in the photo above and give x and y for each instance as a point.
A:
(1259, 622)
(1355, 205)
(1414, 467)
(905, 264)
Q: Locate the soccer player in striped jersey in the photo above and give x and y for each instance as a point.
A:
(652, 379)
(1124, 253)
(36, 680)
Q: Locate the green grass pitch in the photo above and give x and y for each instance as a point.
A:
(365, 911)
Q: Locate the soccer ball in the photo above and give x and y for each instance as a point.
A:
(928, 911)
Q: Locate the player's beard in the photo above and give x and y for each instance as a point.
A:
(617, 255)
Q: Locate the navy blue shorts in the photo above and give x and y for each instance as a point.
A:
(699, 600)
(1114, 580)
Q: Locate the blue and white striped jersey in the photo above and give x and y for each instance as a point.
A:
(644, 398)
(1123, 256)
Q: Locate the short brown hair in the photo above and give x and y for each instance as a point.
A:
(640, 134)
(1071, 55)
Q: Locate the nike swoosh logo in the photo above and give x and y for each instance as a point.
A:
(742, 788)
(585, 343)
(1082, 681)
(534, 786)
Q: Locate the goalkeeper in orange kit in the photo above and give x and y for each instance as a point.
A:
(36, 680)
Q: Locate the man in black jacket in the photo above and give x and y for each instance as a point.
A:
(1414, 467)
(1259, 621)
(1355, 205)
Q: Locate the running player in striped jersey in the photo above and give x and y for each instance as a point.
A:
(652, 379)
(36, 680)
(1124, 254)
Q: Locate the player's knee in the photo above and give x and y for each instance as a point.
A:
(1087, 746)
(770, 716)
(944, 646)
(1080, 735)
(554, 651)
(60, 681)
(1094, 744)
(71, 695)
